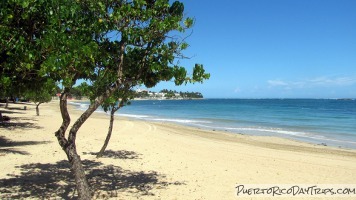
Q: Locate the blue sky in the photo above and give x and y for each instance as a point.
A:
(273, 48)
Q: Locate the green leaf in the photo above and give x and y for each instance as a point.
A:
(188, 22)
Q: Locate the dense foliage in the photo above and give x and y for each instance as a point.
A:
(184, 95)
(43, 93)
(114, 45)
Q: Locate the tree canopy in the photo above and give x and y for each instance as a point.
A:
(43, 93)
(112, 44)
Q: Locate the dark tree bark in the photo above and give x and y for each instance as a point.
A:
(7, 102)
(112, 118)
(81, 181)
(70, 149)
(1, 117)
(69, 146)
(37, 109)
(108, 136)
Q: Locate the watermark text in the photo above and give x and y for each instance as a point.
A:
(296, 190)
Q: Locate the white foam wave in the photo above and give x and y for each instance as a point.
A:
(272, 130)
(317, 137)
(133, 116)
(74, 103)
(185, 121)
(80, 105)
(280, 131)
(260, 129)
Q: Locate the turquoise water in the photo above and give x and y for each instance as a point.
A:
(328, 121)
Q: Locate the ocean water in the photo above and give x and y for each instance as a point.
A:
(328, 121)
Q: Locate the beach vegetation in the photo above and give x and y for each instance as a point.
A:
(115, 45)
(43, 93)
(118, 100)
(167, 94)
(184, 95)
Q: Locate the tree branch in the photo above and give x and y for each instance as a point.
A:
(60, 134)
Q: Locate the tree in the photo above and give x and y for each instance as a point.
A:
(114, 44)
(41, 94)
(117, 100)
(113, 104)
(76, 92)
(21, 27)
(5, 82)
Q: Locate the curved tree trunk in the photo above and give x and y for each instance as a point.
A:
(81, 181)
(70, 149)
(112, 118)
(7, 102)
(83, 188)
(69, 146)
(37, 109)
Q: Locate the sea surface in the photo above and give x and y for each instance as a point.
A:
(329, 122)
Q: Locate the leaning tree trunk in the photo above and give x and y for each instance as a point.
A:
(7, 102)
(69, 146)
(37, 109)
(70, 149)
(81, 181)
(112, 118)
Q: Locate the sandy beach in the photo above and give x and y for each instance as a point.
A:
(146, 160)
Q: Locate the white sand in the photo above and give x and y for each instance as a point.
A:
(156, 160)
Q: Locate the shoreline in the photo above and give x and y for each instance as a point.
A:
(229, 136)
(154, 160)
(313, 138)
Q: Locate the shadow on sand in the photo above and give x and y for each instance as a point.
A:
(14, 120)
(43, 181)
(6, 145)
(122, 154)
(16, 123)
(19, 125)
(15, 106)
(10, 112)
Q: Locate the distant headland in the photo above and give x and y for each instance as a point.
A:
(165, 94)
(143, 94)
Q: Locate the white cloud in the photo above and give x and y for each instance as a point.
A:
(322, 81)
(338, 81)
(237, 90)
(274, 83)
